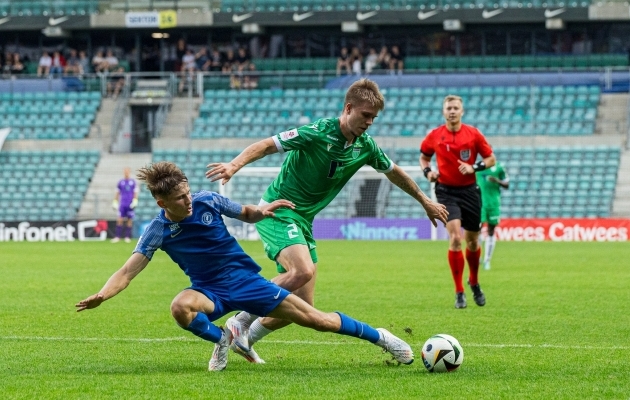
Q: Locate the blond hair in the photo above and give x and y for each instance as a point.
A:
(452, 97)
(161, 178)
(365, 91)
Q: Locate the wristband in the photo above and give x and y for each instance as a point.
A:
(426, 171)
(479, 166)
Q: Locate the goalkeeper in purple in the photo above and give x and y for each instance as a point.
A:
(322, 158)
(190, 229)
(124, 203)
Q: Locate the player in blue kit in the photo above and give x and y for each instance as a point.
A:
(223, 278)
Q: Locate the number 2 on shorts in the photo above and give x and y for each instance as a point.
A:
(293, 231)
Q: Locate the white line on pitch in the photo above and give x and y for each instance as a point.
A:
(302, 342)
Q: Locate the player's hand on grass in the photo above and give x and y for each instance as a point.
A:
(433, 176)
(465, 169)
(93, 301)
(223, 171)
(268, 209)
(436, 211)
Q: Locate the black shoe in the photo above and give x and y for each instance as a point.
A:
(478, 296)
(460, 300)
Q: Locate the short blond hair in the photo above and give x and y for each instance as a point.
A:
(452, 97)
(365, 91)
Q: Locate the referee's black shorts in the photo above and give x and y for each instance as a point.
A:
(463, 203)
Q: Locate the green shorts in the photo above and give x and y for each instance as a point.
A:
(491, 215)
(285, 229)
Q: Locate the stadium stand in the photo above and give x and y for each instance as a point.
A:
(342, 5)
(543, 181)
(47, 7)
(47, 185)
(48, 115)
(500, 110)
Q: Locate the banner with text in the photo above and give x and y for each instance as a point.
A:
(56, 231)
(564, 230)
(151, 19)
(376, 229)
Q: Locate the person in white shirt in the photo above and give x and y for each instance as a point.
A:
(43, 69)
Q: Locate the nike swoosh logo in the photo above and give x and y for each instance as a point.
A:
(278, 295)
(362, 17)
(5, 20)
(176, 233)
(422, 15)
(301, 17)
(551, 14)
(56, 21)
(489, 14)
(240, 18)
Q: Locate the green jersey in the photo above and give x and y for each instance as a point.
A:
(319, 164)
(491, 191)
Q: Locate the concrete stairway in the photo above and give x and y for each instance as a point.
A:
(181, 115)
(102, 190)
(612, 114)
(621, 203)
(102, 126)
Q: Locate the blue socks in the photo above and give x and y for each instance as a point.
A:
(358, 329)
(202, 327)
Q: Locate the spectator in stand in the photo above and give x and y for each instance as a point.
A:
(111, 61)
(396, 63)
(343, 62)
(371, 61)
(180, 51)
(242, 59)
(84, 63)
(17, 67)
(45, 62)
(58, 63)
(230, 61)
(216, 60)
(202, 60)
(356, 58)
(7, 63)
(383, 58)
(250, 80)
(73, 64)
(189, 66)
(98, 62)
(116, 82)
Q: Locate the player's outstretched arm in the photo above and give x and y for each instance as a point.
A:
(253, 152)
(116, 283)
(401, 179)
(253, 214)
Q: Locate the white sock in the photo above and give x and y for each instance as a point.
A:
(490, 244)
(257, 331)
(245, 319)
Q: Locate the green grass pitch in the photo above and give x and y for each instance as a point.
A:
(556, 325)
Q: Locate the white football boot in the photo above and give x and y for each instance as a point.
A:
(219, 358)
(395, 346)
(240, 343)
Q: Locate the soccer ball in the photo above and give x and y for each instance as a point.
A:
(442, 353)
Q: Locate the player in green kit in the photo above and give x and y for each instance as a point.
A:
(490, 181)
(322, 158)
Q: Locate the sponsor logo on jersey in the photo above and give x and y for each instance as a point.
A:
(206, 218)
(355, 152)
(173, 227)
(464, 154)
(288, 135)
(332, 138)
(328, 146)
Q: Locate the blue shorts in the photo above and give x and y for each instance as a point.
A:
(253, 294)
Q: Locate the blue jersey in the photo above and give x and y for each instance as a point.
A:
(201, 244)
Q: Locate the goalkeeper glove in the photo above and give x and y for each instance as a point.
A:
(115, 205)
(134, 203)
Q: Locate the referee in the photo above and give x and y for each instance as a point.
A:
(456, 147)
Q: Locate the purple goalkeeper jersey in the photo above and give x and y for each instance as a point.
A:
(127, 189)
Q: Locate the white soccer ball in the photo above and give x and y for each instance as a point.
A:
(442, 353)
